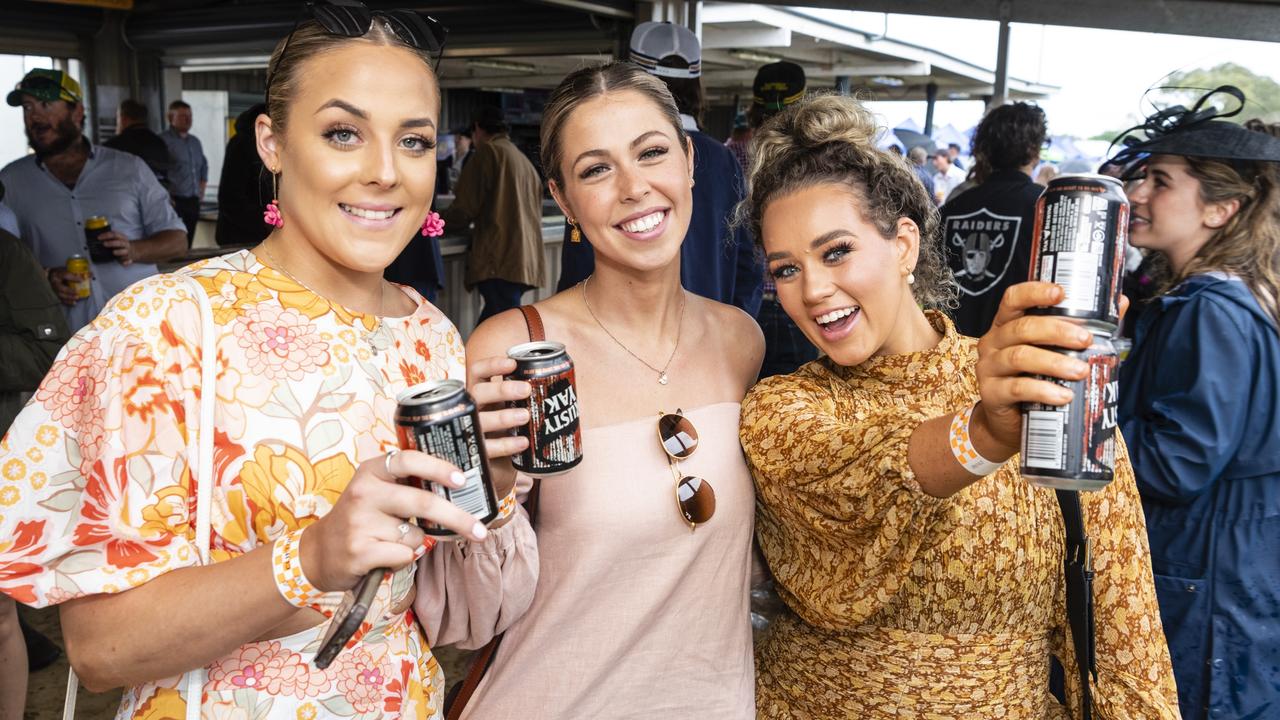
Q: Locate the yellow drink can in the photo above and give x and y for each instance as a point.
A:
(78, 267)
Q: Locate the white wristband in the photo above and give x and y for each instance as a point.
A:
(962, 446)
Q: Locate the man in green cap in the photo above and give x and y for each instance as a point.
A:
(69, 180)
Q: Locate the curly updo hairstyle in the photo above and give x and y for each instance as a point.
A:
(830, 139)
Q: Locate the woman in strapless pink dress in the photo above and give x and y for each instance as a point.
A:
(638, 611)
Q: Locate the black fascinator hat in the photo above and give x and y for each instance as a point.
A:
(1198, 131)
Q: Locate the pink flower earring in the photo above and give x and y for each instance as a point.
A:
(433, 226)
(271, 215)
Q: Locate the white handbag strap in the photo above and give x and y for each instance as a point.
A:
(203, 478)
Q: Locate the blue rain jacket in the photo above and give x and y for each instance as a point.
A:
(1200, 409)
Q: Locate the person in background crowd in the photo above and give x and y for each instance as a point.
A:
(946, 177)
(894, 149)
(32, 329)
(776, 87)
(134, 137)
(1046, 173)
(717, 261)
(500, 191)
(67, 180)
(739, 141)
(889, 502)
(641, 609)
(987, 231)
(190, 171)
(314, 347)
(244, 187)
(463, 148)
(953, 152)
(1200, 400)
(918, 156)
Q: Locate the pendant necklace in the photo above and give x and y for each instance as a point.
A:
(662, 373)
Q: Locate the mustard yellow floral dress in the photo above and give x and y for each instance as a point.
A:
(96, 493)
(902, 605)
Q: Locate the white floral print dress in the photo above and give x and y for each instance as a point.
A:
(96, 495)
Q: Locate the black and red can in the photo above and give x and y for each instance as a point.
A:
(1081, 233)
(1073, 447)
(441, 419)
(555, 437)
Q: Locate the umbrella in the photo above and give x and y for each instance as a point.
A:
(911, 138)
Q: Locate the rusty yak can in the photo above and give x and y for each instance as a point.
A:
(1081, 232)
(441, 419)
(1073, 447)
(555, 437)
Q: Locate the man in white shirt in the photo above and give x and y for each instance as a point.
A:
(69, 180)
(947, 178)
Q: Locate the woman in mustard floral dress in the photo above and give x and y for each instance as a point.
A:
(97, 500)
(920, 582)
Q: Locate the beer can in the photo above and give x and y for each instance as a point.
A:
(93, 229)
(1073, 447)
(78, 268)
(555, 438)
(440, 419)
(1081, 232)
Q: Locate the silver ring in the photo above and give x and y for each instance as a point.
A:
(386, 461)
(403, 528)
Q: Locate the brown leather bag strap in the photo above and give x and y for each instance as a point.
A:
(534, 321)
(457, 700)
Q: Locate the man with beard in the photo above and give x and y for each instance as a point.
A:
(67, 181)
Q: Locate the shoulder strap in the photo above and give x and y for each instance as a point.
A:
(534, 321)
(462, 692)
(1078, 569)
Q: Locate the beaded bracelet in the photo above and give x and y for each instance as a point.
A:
(962, 446)
(286, 564)
(507, 505)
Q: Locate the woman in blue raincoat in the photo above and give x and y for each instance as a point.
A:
(1200, 402)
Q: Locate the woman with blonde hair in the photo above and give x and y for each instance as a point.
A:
(104, 477)
(645, 547)
(923, 576)
(1200, 399)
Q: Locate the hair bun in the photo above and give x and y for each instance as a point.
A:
(831, 119)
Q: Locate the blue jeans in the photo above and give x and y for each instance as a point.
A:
(499, 296)
(785, 346)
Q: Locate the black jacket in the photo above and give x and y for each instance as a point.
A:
(987, 235)
(138, 140)
(32, 326)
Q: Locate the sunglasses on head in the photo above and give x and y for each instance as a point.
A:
(350, 18)
(694, 496)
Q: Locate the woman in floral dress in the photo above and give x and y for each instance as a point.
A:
(97, 497)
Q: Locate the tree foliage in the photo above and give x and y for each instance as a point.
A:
(1262, 93)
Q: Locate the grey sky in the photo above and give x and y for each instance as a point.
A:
(1102, 73)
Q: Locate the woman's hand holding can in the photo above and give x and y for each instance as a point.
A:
(495, 397)
(1018, 346)
(369, 527)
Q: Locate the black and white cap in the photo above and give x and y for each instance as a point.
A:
(653, 42)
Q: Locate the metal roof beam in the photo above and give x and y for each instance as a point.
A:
(1237, 19)
(715, 37)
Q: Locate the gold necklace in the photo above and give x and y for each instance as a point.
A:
(376, 338)
(662, 374)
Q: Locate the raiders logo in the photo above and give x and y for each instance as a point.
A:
(980, 247)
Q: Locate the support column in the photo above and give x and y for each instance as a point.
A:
(930, 99)
(1000, 93)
